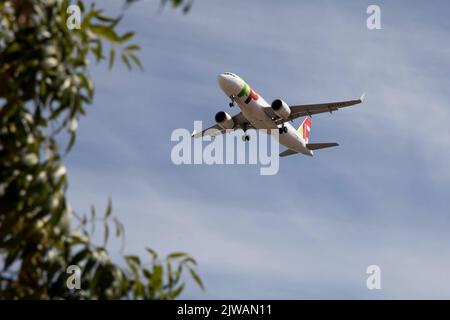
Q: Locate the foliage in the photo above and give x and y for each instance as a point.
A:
(185, 5)
(44, 88)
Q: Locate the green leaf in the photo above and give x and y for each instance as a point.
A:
(176, 255)
(118, 227)
(133, 259)
(177, 291)
(126, 60)
(87, 83)
(169, 273)
(81, 255)
(109, 208)
(139, 289)
(112, 56)
(87, 19)
(127, 36)
(197, 279)
(152, 253)
(72, 139)
(106, 234)
(147, 274)
(176, 3)
(133, 267)
(187, 8)
(89, 265)
(104, 18)
(93, 214)
(157, 277)
(136, 60)
(128, 2)
(133, 47)
(97, 50)
(105, 32)
(189, 260)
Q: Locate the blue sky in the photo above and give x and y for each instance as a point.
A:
(311, 230)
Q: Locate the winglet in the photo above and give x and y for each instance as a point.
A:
(362, 97)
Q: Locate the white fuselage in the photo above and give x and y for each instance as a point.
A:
(252, 107)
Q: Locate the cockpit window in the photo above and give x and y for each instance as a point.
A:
(230, 74)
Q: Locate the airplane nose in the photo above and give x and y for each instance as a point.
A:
(224, 83)
(222, 79)
(229, 84)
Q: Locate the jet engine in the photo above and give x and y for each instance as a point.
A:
(281, 109)
(224, 120)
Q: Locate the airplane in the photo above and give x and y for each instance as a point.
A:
(256, 113)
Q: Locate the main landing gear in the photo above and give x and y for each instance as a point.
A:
(245, 137)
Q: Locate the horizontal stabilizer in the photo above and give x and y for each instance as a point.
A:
(315, 146)
(287, 152)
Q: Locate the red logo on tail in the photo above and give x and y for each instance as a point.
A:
(306, 129)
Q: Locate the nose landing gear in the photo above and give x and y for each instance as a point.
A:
(231, 104)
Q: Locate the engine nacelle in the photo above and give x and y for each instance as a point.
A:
(224, 120)
(281, 109)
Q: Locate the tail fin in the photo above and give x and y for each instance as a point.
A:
(305, 129)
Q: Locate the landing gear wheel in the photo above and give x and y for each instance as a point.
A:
(283, 129)
(231, 104)
(245, 138)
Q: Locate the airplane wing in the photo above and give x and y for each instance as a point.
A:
(298, 111)
(240, 122)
